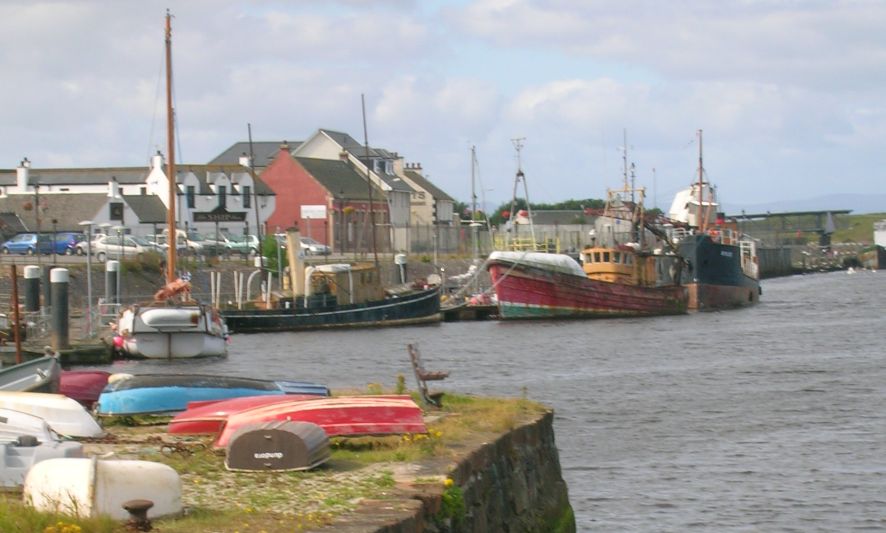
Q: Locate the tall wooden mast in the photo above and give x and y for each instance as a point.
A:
(172, 235)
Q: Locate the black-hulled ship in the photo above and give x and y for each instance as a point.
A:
(722, 268)
(343, 295)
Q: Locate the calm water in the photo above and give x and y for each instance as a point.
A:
(771, 418)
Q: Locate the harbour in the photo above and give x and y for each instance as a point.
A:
(763, 417)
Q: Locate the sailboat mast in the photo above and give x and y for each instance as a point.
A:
(701, 211)
(369, 180)
(172, 236)
(473, 188)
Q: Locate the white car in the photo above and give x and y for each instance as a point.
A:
(106, 247)
(312, 247)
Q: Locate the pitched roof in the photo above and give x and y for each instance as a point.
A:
(148, 208)
(78, 176)
(264, 152)
(67, 209)
(339, 178)
(423, 182)
(10, 224)
(358, 150)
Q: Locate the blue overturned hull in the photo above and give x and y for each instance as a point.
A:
(415, 308)
(170, 393)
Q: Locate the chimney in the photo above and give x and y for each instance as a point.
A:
(244, 160)
(157, 160)
(21, 175)
(113, 188)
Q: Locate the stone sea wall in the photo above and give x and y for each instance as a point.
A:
(512, 483)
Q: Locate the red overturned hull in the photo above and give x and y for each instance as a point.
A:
(85, 386)
(344, 416)
(209, 417)
(525, 291)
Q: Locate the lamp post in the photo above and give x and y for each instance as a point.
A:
(88, 225)
(52, 244)
(119, 230)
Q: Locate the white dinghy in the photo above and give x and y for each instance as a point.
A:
(19, 456)
(65, 416)
(93, 487)
(15, 424)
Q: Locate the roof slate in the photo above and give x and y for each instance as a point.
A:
(339, 178)
(264, 152)
(423, 182)
(67, 209)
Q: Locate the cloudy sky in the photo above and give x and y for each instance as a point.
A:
(790, 94)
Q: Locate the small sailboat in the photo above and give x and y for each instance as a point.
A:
(173, 326)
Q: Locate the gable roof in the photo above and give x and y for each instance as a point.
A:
(147, 207)
(78, 176)
(423, 182)
(67, 209)
(339, 178)
(264, 152)
(358, 150)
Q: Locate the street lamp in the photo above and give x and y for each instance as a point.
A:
(54, 238)
(119, 230)
(88, 225)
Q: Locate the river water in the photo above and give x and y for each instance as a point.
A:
(771, 418)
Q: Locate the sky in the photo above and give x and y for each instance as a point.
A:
(790, 94)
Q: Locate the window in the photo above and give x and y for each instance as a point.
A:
(247, 196)
(190, 195)
(596, 257)
(144, 191)
(222, 196)
(605, 257)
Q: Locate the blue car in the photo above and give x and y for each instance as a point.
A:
(27, 243)
(66, 242)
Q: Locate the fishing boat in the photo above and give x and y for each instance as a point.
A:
(85, 386)
(37, 375)
(722, 265)
(64, 415)
(172, 326)
(343, 295)
(90, 487)
(627, 271)
(349, 416)
(128, 394)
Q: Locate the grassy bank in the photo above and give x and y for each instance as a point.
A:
(218, 500)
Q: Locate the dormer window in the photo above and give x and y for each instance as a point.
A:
(190, 196)
(378, 166)
(222, 196)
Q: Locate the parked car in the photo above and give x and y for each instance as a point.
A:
(312, 247)
(239, 244)
(66, 242)
(106, 247)
(27, 243)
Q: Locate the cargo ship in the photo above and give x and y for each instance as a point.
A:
(722, 269)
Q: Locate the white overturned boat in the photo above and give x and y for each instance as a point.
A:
(158, 331)
(92, 487)
(37, 375)
(65, 416)
(19, 456)
(15, 424)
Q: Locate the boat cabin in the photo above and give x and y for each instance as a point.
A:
(620, 264)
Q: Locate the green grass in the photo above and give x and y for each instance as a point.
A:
(858, 228)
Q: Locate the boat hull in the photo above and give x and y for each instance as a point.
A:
(180, 332)
(420, 307)
(350, 416)
(64, 415)
(527, 291)
(85, 386)
(714, 277)
(37, 375)
(169, 393)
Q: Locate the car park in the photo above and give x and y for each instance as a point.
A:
(106, 247)
(238, 244)
(311, 247)
(28, 244)
(66, 242)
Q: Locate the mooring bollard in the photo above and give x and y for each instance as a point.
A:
(32, 288)
(59, 290)
(112, 270)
